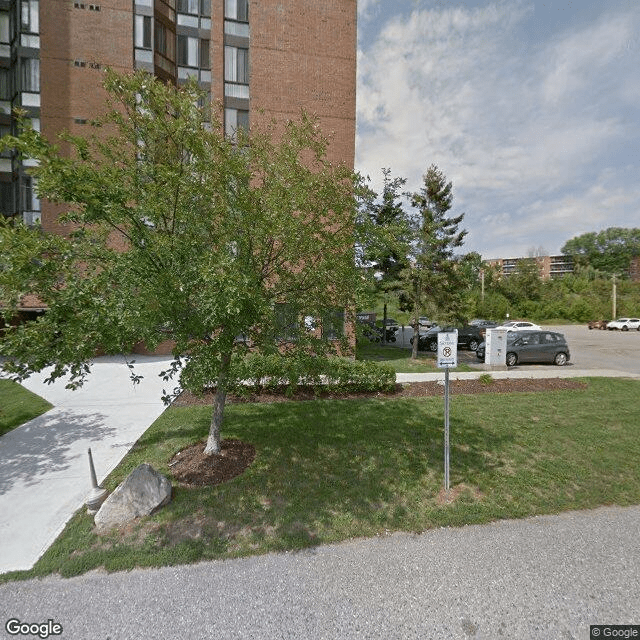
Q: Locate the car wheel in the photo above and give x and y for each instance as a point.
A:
(561, 359)
(392, 339)
(512, 359)
(473, 345)
(433, 345)
(411, 341)
(625, 328)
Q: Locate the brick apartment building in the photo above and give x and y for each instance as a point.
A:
(550, 266)
(261, 59)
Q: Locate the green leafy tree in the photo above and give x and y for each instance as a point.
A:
(434, 278)
(388, 254)
(176, 232)
(609, 250)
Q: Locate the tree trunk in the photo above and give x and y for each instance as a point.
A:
(213, 441)
(416, 339)
(384, 324)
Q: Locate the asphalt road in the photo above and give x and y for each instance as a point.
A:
(544, 578)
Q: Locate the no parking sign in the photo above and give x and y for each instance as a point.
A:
(448, 349)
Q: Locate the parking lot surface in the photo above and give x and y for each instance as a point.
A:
(591, 349)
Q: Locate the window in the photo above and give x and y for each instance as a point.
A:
(333, 324)
(236, 65)
(286, 321)
(205, 7)
(30, 77)
(7, 207)
(5, 84)
(29, 16)
(4, 28)
(143, 32)
(237, 10)
(165, 41)
(187, 51)
(234, 120)
(29, 199)
(204, 54)
(188, 6)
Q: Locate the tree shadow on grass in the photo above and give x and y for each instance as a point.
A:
(327, 466)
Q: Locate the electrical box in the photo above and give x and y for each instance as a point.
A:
(495, 353)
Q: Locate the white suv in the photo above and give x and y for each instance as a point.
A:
(624, 324)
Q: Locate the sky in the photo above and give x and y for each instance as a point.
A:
(531, 109)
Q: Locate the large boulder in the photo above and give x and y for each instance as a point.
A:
(143, 492)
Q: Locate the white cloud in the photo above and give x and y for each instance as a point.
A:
(524, 134)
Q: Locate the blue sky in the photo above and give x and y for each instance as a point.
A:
(530, 108)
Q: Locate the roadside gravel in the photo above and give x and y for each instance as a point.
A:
(543, 578)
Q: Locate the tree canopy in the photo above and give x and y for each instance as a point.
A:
(176, 232)
(609, 250)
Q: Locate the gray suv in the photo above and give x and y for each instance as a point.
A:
(533, 346)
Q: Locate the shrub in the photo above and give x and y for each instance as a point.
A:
(260, 372)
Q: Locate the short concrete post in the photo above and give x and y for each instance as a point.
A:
(98, 494)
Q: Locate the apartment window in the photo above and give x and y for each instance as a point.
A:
(4, 28)
(30, 76)
(7, 206)
(237, 10)
(143, 32)
(333, 324)
(5, 84)
(29, 199)
(286, 321)
(188, 51)
(235, 120)
(165, 41)
(236, 65)
(204, 54)
(188, 6)
(205, 8)
(29, 16)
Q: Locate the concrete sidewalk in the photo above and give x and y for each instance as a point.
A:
(44, 468)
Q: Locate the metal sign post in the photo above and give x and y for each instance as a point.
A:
(447, 357)
(446, 428)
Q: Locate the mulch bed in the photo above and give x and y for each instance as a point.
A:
(407, 390)
(193, 468)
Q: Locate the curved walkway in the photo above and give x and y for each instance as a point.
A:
(44, 467)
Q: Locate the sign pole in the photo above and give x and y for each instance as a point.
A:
(447, 357)
(446, 429)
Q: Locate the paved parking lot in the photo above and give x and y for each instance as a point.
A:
(590, 349)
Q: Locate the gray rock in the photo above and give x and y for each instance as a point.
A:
(143, 492)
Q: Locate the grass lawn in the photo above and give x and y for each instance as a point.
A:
(331, 470)
(400, 359)
(17, 405)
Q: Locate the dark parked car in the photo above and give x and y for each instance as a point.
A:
(469, 336)
(533, 346)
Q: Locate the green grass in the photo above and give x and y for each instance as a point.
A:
(331, 470)
(400, 359)
(18, 405)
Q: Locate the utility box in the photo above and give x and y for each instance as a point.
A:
(495, 353)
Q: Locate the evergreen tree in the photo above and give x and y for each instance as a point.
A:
(433, 277)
